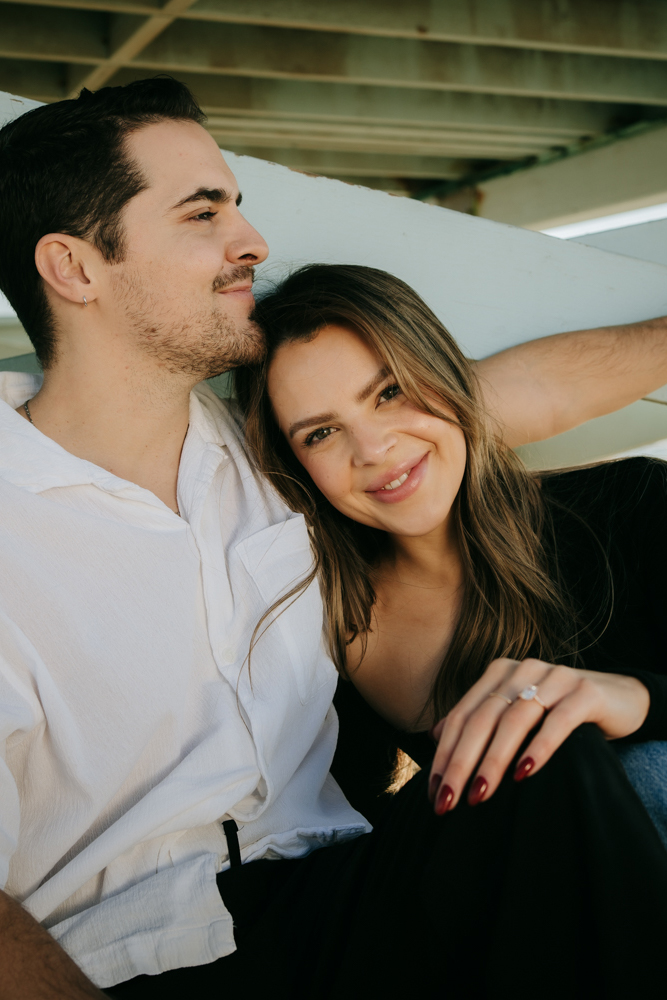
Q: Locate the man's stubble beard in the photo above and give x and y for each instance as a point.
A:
(204, 344)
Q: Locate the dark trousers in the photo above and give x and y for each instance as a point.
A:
(554, 888)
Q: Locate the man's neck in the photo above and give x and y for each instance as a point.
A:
(125, 415)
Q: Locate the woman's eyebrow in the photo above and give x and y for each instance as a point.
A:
(322, 418)
(372, 385)
(309, 422)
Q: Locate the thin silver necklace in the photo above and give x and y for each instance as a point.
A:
(27, 413)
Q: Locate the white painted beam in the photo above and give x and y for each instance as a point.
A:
(647, 241)
(492, 285)
(12, 106)
(626, 175)
(639, 424)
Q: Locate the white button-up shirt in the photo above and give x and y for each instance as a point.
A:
(131, 723)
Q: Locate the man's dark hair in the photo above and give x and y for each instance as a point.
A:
(64, 168)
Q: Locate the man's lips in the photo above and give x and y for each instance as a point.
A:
(416, 469)
(245, 287)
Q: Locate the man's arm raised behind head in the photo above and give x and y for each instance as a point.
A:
(548, 386)
(33, 965)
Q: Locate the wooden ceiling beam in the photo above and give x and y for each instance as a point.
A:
(626, 28)
(620, 28)
(38, 81)
(167, 42)
(52, 35)
(355, 59)
(366, 139)
(314, 101)
(128, 36)
(339, 164)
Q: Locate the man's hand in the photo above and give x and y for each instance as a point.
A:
(548, 386)
(484, 732)
(33, 966)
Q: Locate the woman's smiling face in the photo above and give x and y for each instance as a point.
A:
(373, 454)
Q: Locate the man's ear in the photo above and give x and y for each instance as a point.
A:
(68, 265)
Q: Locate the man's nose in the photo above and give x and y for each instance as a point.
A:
(246, 246)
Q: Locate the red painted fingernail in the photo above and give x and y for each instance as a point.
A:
(478, 790)
(523, 768)
(444, 800)
(433, 786)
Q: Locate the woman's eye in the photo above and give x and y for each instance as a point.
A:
(319, 435)
(389, 393)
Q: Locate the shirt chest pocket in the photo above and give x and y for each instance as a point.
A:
(278, 558)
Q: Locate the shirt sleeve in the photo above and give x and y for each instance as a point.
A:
(20, 711)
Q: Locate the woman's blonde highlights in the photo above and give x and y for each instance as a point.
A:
(510, 605)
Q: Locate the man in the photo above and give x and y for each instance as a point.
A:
(144, 754)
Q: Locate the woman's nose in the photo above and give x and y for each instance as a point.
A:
(371, 445)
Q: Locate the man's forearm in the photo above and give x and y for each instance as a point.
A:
(33, 966)
(547, 386)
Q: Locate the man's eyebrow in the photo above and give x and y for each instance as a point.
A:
(323, 418)
(372, 385)
(217, 195)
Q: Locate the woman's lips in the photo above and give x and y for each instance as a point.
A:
(406, 489)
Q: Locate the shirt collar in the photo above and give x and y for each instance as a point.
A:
(32, 461)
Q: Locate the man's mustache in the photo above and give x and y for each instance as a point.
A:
(233, 277)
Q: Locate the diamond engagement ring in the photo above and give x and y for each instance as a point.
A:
(530, 694)
(497, 694)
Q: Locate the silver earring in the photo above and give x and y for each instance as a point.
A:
(85, 302)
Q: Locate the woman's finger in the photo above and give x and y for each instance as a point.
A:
(570, 703)
(448, 730)
(570, 713)
(453, 765)
(462, 744)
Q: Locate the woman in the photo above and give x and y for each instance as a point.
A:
(439, 554)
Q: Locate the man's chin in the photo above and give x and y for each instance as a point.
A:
(244, 349)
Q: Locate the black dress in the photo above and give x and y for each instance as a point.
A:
(555, 887)
(610, 528)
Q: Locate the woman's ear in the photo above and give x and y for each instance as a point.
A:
(68, 265)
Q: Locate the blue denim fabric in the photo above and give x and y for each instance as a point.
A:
(646, 766)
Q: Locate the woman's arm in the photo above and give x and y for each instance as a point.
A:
(547, 386)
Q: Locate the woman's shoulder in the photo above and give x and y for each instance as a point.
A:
(610, 490)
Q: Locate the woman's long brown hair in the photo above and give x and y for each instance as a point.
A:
(511, 604)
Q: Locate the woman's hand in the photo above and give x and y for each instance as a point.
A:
(492, 720)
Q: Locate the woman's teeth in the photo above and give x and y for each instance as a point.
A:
(396, 482)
